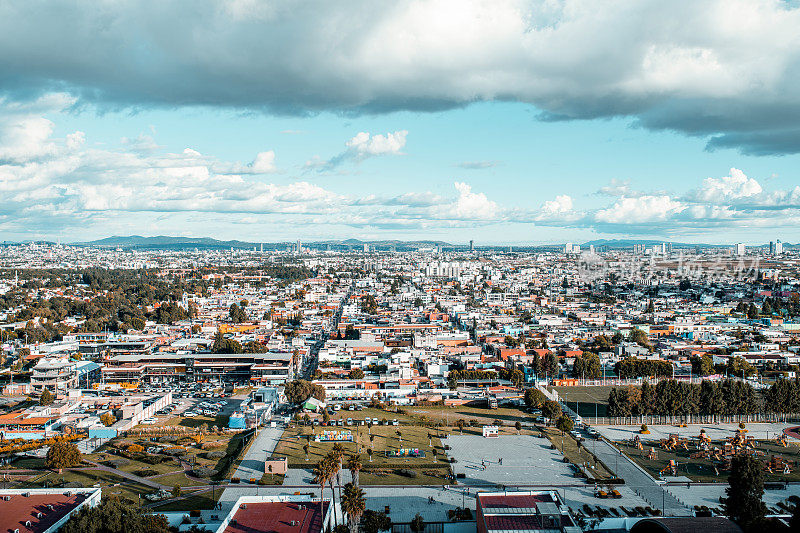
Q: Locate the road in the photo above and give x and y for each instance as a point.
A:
(252, 465)
(639, 481)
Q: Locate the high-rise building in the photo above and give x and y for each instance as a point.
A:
(778, 247)
(739, 249)
(297, 247)
(471, 245)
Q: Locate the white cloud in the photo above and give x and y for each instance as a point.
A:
(729, 188)
(562, 204)
(640, 209)
(362, 146)
(365, 145)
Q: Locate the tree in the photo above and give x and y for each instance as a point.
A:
(237, 314)
(354, 465)
(356, 373)
(107, 419)
(62, 454)
(353, 504)
(565, 424)
(452, 381)
(460, 425)
(115, 516)
(176, 491)
(374, 522)
(752, 311)
(46, 398)
(518, 426)
(745, 489)
(639, 337)
(703, 366)
(551, 364)
(300, 390)
(650, 308)
(766, 308)
(323, 473)
(417, 524)
(534, 398)
(551, 410)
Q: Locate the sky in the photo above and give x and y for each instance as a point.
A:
(513, 122)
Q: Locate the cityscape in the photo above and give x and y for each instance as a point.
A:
(421, 266)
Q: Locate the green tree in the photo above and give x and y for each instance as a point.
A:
(534, 398)
(639, 337)
(703, 366)
(46, 398)
(354, 465)
(565, 424)
(551, 410)
(375, 522)
(115, 516)
(62, 454)
(237, 314)
(353, 504)
(356, 373)
(745, 489)
(417, 524)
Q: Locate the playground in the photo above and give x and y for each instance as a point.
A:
(699, 458)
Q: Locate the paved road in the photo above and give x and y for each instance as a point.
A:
(639, 481)
(252, 465)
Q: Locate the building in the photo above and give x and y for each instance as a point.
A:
(42, 510)
(739, 249)
(278, 514)
(59, 374)
(523, 511)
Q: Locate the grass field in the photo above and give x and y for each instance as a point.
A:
(110, 482)
(703, 469)
(591, 401)
(202, 500)
(381, 469)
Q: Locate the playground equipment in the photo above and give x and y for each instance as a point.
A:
(777, 464)
(653, 455)
(335, 436)
(672, 468)
(741, 440)
(703, 442)
(636, 442)
(783, 440)
(674, 442)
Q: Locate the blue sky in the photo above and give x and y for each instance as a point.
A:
(420, 136)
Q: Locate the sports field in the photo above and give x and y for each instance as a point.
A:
(590, 401)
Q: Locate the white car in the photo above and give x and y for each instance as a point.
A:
(189, 414)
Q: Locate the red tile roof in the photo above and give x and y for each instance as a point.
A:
(277, 517)
(20, 509)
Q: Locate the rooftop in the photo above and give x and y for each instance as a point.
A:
(41, 510)
(277, 517)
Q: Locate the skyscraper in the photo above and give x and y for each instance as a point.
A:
(471, 245)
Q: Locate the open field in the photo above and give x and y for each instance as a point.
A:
(707, 470)
(201, 500)
(110, 482)
(382, 470)
(591, 401)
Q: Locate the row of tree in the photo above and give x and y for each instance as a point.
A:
(672, 398)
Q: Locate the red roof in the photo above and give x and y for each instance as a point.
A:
(277, 517)
(20, 509)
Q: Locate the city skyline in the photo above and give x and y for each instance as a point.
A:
(515, 124)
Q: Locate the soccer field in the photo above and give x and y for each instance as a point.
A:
(591, 401)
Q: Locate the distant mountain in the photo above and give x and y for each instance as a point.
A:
(168, 242)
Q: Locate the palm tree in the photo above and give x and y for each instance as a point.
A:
(369, 452)
(338, 454)
(322, 473)
(353, 504)
(354, 466)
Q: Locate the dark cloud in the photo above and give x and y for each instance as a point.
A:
(666, 65)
